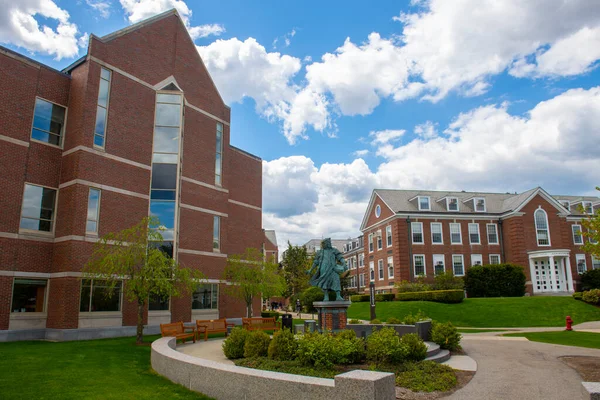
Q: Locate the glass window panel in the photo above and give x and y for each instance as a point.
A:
(164, 176)
(48, 117)
(219, 127)
(105, 74)
(457, 262)
(202, 297)
(91, 226)
(165, 247)
(168, 114)
(100, 121)
(38, 204)
(216, 232)
(103, 93)
(93, 204)
(43, 136)
(158, 303)
(104, 299)
(165, 212)
(168, 98)
(164, 158)
(423, 203)
(417, 232)
(99, 140)
(28, 295)
(219, 141)
(166, 140)
(218, 164)
(419, 265)
(162, 195)
(215, 297)
(86, 287)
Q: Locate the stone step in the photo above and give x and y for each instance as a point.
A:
(440, 357)
(432, 348)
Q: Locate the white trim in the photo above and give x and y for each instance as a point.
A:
(547, 197)
(201, 111)
(370, 209)
(377, 211)
(41, 275)
(452, 217)
(415, 265)
(499, 259)
(537, 238)
(388, 267)
(487, 233)
(476, 257)
(387, 245)
(14, 141)
(459, 231)
(548, 253)
(437, 257)
(441, 232)
(202, 253)
(580, 235)
(371, 271)
(475, 199)
(478, 232)
(204, 210)
(462, 260)
(380, 270)
(107, 155)
(428, 203)
(412, 233)
(448, 204)
(103, 187)
(581, 257)
(208, 185)
(239, 203)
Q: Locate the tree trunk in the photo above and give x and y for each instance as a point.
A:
(139, 336)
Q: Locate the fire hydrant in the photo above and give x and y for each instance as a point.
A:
(569, 323)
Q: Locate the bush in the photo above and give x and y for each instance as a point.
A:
(578, 295)
(375, 321)
(270, 314)
(446, 335)
(502, 280)
(418, 286)
(359, 298)
(590, 279)
(385, 297)
(417, 349)
(349, 348)
(384, 346)
(257, 344)
(439, 296)
(426, 376)
(283, 346)
(233, 346)
(309, 296)
(355, 321)
(591, 296)
(447, 281)
(410, 319)
(317, 350)
(394, 321)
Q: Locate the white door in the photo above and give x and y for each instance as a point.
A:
(559, 273)
(543, 281)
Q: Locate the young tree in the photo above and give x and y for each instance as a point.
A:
(591, 225)
(296, 261)
(250, 275)
(132, 257)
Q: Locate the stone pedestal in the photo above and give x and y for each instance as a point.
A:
(332, 315)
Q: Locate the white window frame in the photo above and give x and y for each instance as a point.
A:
(388, 236)
(474, 224)
(377, 211)
(537, 237)
(361, 280)
(412, 232)
(567, 205)
(428, 203)
(495, 255)
(216, 238)
(415, 265)
(380, 271)
(379, 237)
(475, 199)
(97, 220)
(390, 265)
(475, 258)
(371, 245)
(595, 263)
(371, 271)
(487, 230)
(441, 232)
(109, 80)
(459, 232)
(581, 241)
(361, 260)
(580, 257)
(590, 238)
(219, 152)
(462, 260)
(590, 204)
(448, 203)
(436, 259)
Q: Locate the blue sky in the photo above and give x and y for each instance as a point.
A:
(341, 97)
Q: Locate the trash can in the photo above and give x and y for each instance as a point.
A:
(286, 321)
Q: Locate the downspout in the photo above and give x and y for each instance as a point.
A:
(501, 238)
(410, 257)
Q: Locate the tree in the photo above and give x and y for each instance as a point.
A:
(132, 255)
(592, 232)
(296, 261)
(250, 275)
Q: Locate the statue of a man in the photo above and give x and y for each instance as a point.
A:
(327, 268)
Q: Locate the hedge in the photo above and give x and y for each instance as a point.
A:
(439, 296)
(270, 314)
(358, 298)
(590, 279)
(501, 280)
(385, 297)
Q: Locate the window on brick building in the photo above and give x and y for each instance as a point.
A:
(439, 264)
(595, 263)
(361, 260)
(577, 236)
(380, 269)
(361, 280)
(48, 122)
(29, 295)
(581, 263)
(474, 234)
(458, 264)
(379, 240)
(372, 270)
(591, 237)
(93, 211)
(216, 233)
(541, 228)
(424, 204)
(476, 259)
(390, 265)
(219, 155)
(158, 303)
(97, 295)
(417, 232)
(102, 108)
(587, 206)
(455, 234)
(419, 264)
(206, 297)
(37, 213)
(452, 203)
(436, 233)
(494, 259)
(492, 233)
(479, 204)
(370, 242)
(388, 235)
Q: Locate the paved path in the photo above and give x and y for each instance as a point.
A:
(519, 369)
(209, 350)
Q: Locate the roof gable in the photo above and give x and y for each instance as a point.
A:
(374, 196)
(546, 196)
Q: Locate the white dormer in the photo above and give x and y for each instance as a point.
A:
(452, 204)
(424, 203)
(587, 206)
(479, 204)
(566, 204)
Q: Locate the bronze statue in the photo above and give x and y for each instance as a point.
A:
(326, 270)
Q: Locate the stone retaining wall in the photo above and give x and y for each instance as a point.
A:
(223, 381)
(423, 329)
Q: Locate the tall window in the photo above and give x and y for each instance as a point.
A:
(455, 235)
(595, 263)
(458, 264)
(474, 234)
(372, 270)
(361, 260)
(541, 227)
(158, 303)
(577, 237)
(476, 259)
(217, 233)
(388, 235)
(379, 240)
(93, 212)
(479, 204)
(29, 295)
(424, 203)
(581, 265)
(380, 269)
(97, 296)
(419, 262)
(390, 265)
(48, 122)
(219, 155)
(370, 242)
(417, 232)
(436, 233)
(102, 109)
(438, 264)
(492, 233)
(37, 213)
(494, 259)
(361, 280)
(452, 203)
(206, 297)
(587, 206)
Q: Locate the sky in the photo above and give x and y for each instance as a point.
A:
(341, 97)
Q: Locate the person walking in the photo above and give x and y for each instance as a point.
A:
(298, 307)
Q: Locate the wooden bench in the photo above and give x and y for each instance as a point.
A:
(178, 330)
(206, 326)
(264, 324)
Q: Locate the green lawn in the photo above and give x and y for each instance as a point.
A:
(581, 339)
(511, 312)
(96, 369)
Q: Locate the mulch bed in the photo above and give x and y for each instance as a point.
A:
(587, 366)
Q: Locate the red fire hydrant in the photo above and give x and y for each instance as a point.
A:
(569, 323)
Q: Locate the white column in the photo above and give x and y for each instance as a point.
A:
(553, 274)
(570, 286)
(532, 276)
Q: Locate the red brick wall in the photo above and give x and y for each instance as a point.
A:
(5, 300)
(63, 303)
(181, 308)
(385, 213)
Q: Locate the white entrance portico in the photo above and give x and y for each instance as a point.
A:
(551, 271)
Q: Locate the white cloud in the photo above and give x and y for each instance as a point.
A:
(386, 136)
(426, 130)
(138, 10)
(102, 7)
(18, 26)
(286, 39)
(360, 153)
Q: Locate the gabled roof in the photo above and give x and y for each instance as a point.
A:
(370, 208)
(271, 236)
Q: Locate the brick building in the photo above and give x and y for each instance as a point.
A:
(135, 127)
(411, 232)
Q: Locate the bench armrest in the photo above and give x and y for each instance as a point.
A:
(189, 328)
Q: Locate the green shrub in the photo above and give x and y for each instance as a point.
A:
(359, 298)
(286, 366)
(446, 335)
(410, 319)
(375, 321)
(317, 350)
(418, 286)
(417, 349)
(502, 280)
(355, 321)
(257, 344)
(590, 279)
(384, 346)
(438, 296)
(578, 295)
(394, 321)
(309, 296)
(233, 346)
(591, 296)
(349, 348)
(385, 297)
(270, 314)
(447, 281)
(283, 346)
(426, 376)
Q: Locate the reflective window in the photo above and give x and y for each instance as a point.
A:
(436, 233)
(38, 208)
(96, 296)
(390, 262)
(102, 108)
(388, 235)
(438, 264)
(48, 122)
(455, 234)
(166, 247)
(452, 203)
(581, 265)
(541, 227)
(168, 114)
(474, 234)
(577, 236)
(380, 268)
(216, 232)
(219, 154)
(93, 212)
(458, 265)
(165, 212)
(206, 297)
(417, 232)
(158, 303)
(494, 259)
(424, 203)
(419, 262)
(492, 232)
(164, 176)
(28, 295)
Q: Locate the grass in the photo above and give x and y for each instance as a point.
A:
(567, 338)
(510, 312)
(95, 369)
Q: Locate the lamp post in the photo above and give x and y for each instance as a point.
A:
(372, 294)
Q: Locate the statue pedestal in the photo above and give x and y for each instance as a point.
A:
(332, 315)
